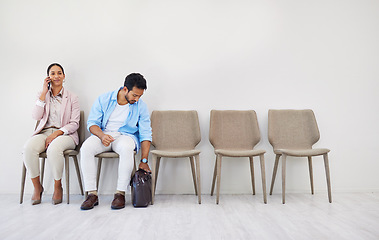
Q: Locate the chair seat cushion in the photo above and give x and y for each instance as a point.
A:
(70, 152)
(107, 155)
(239, 153)
(302, 152)
(175, 153)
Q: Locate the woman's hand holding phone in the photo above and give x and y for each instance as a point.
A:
(46, 84)
(45, 88)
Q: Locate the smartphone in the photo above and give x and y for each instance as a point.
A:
(48, 85)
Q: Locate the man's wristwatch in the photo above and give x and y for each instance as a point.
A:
(144, 160)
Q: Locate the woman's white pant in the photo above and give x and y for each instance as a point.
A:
(55, 158)
(123, 145)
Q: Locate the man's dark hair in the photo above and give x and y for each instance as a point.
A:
(135, 80)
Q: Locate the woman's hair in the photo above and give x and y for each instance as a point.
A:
(54, 64)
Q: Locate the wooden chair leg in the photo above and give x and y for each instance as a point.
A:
(158, 163)
(100, 160)
(193, 173)
(214, 177)
(23, 176)
(263, 174)
(327, 172)
(218, 177)
(132, 175)
(67, 170)
(75, 158)
(134, 170)
(274, 173)
(284, 159)
(153, 170)
(252, 174)
(311, 173)
(42, 169)
(134, 165)
(198, 178)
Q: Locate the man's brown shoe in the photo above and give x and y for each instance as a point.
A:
(118, 201)
(90, 202)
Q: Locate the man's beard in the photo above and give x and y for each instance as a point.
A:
(129, 101)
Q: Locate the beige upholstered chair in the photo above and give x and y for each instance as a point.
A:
(67, 154)
(234, 134)
(109, 154)
(175, 135)
(293, 133)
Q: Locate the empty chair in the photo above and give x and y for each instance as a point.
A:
(234, 134)
(293, 133)
(68, 153)
(175, 135)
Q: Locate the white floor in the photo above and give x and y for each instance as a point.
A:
(350, 216)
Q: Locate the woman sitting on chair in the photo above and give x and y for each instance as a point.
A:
(58, 113)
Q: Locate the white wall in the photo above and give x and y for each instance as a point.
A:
(203, 55)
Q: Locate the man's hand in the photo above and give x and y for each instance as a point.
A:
(144, 166)
(106, 139)
(145, 147)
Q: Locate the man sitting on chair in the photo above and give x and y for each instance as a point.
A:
(119, 121)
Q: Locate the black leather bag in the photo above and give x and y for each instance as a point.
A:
(141, 188)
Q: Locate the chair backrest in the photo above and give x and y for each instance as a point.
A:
(234, 130)
(81, 131)
(292, 129)
(175, 130)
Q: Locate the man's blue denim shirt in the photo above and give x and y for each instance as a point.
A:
(137, 124)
